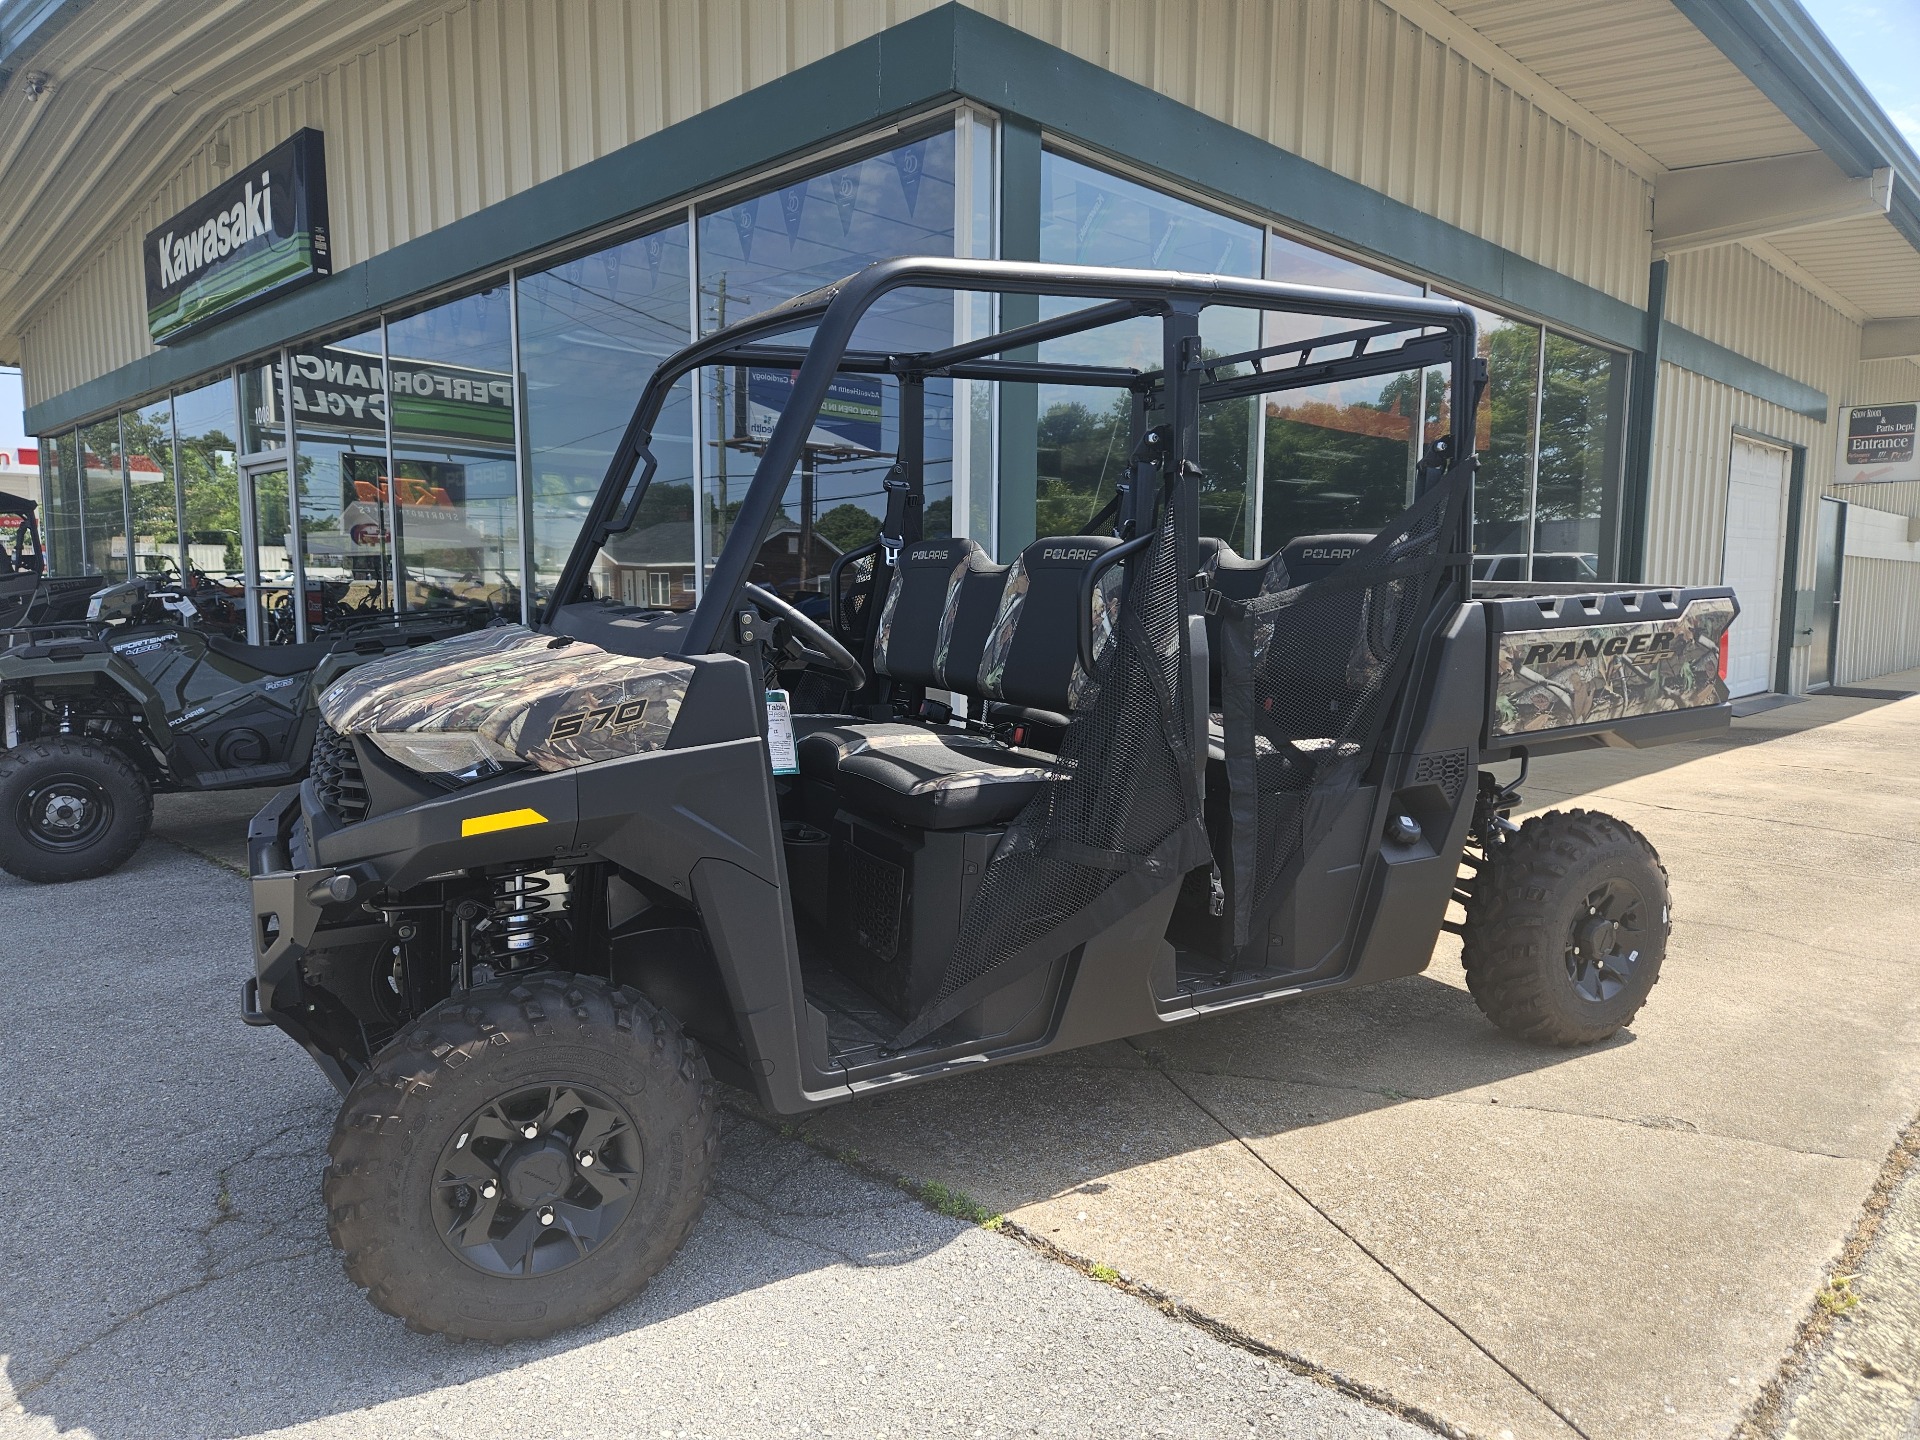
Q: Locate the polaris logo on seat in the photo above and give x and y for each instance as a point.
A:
(1329, 552)
(220, 235)
(1069, 552)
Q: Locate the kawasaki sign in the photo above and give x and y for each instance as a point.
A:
(259, 233)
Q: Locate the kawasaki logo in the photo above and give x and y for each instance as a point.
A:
(1591, 649)
(218, 236)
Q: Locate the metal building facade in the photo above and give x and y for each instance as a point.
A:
(1544, 129)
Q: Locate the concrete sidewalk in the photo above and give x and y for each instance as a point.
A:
(1620, 1241)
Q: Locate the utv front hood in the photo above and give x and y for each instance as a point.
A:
(553, 702)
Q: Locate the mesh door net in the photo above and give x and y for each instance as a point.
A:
(1308, 676)
(1121, 823)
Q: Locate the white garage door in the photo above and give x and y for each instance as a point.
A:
(1756, 500)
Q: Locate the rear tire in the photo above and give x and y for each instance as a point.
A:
(455, 1186)
(70, 809)
(1567, 928)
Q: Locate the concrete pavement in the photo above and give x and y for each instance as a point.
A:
(1620, 1241)
(164, 1267)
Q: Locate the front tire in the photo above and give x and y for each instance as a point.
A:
(1567, 928)
(521, 1159)
(70, 809)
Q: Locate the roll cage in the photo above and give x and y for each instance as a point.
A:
(1394, 334)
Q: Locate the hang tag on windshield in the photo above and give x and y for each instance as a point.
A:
(780, 734)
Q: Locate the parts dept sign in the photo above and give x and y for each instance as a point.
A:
(1877, 444)
(259, 233)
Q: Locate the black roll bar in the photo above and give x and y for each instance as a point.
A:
(835, 310)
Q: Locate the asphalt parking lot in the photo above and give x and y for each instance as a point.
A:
(1377, 1188)
(164, 1267)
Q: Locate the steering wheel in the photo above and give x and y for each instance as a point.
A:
(815, 641)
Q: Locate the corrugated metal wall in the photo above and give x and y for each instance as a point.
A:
(1731, 295)
(457, 112)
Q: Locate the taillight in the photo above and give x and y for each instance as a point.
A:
(1725, 636)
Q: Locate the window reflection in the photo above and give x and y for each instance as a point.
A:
(760, 250)
(452, 499)
(1091, 217)
(62, 520)
(203, 422)
(1339, 457)
(103, 512)
(591, 331)
(1582, 403)
(148, 435)
(337, 398)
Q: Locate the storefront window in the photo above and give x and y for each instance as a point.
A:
(62, 521)
(591, 331)
(103, 500)
(762, 249)
(203, 423)
(455, 507)
(1339, 458)
(1504, 438)
(262, 408)
(1090, 217)
(337, 398)
(1582, 404)
(148, 433)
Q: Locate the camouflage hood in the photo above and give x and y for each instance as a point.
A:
(552, 701)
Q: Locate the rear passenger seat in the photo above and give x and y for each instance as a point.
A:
(956, 621)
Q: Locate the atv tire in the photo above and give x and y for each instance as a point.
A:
(1567, 928)
(70, 809)
(456, 1187)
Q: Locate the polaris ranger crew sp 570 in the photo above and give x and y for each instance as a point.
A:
(542, 882)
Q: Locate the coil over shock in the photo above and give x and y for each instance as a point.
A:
(521, 925)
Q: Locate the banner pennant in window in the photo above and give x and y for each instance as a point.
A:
(846, 190)
(793, 200)
(910, 163)
(743, 218)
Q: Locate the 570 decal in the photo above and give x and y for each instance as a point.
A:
(614, 718)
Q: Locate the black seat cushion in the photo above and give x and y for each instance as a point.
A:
(272, 659)
(1032, 656)
(923, 778)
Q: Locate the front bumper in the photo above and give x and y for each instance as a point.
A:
(285, 918)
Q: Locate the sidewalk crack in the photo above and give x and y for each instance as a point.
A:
(1376, 1258)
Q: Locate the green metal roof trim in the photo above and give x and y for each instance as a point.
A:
(947, 53)
(1782, 51)
(26, 25)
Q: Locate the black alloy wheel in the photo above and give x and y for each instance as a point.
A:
(70, 809)
(537, 1180)
(1566, 928)
(521, 1158)
(1605, 944)
(65, 812)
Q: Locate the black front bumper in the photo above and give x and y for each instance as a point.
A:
(285, 917)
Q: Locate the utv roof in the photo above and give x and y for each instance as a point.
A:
(15, 505)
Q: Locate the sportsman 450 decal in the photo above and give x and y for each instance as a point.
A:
(607, 717)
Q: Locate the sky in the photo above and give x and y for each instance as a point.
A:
(1880, 39)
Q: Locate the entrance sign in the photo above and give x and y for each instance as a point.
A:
(260, 232)
(1877, 445)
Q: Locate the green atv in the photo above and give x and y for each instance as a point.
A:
(97, 715)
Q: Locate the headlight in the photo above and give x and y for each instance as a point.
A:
(457, 755)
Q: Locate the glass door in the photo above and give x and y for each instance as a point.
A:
(267, 555)
(1826, 591)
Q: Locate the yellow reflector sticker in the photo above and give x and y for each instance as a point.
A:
(504, 820)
